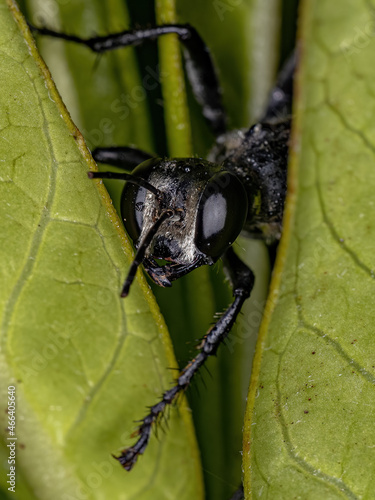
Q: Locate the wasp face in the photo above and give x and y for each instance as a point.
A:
(207, 205)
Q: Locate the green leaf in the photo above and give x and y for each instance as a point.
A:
(84, 362)
(310, 425)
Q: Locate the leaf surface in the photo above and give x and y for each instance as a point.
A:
(310, 424)
(84, 362)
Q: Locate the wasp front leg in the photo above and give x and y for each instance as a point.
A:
(242, 279)
(124, 157)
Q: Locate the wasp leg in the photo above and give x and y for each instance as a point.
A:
(242, 279)
(123, 157)
(199, 65)
(281, 96)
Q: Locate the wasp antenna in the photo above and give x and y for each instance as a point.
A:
(140, 255)
(123, 176)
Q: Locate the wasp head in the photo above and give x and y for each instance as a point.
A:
(193, 215)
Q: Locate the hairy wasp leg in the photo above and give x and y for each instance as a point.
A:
(123, 157)
(242, 279)
(280, 100)
(199, 65)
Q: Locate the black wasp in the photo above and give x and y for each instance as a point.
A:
(188, 212)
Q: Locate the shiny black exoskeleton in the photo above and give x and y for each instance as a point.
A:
(187, 212)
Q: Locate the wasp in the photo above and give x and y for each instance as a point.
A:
(183, 213)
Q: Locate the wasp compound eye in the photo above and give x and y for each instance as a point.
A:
(133, 199)
(221, 214)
